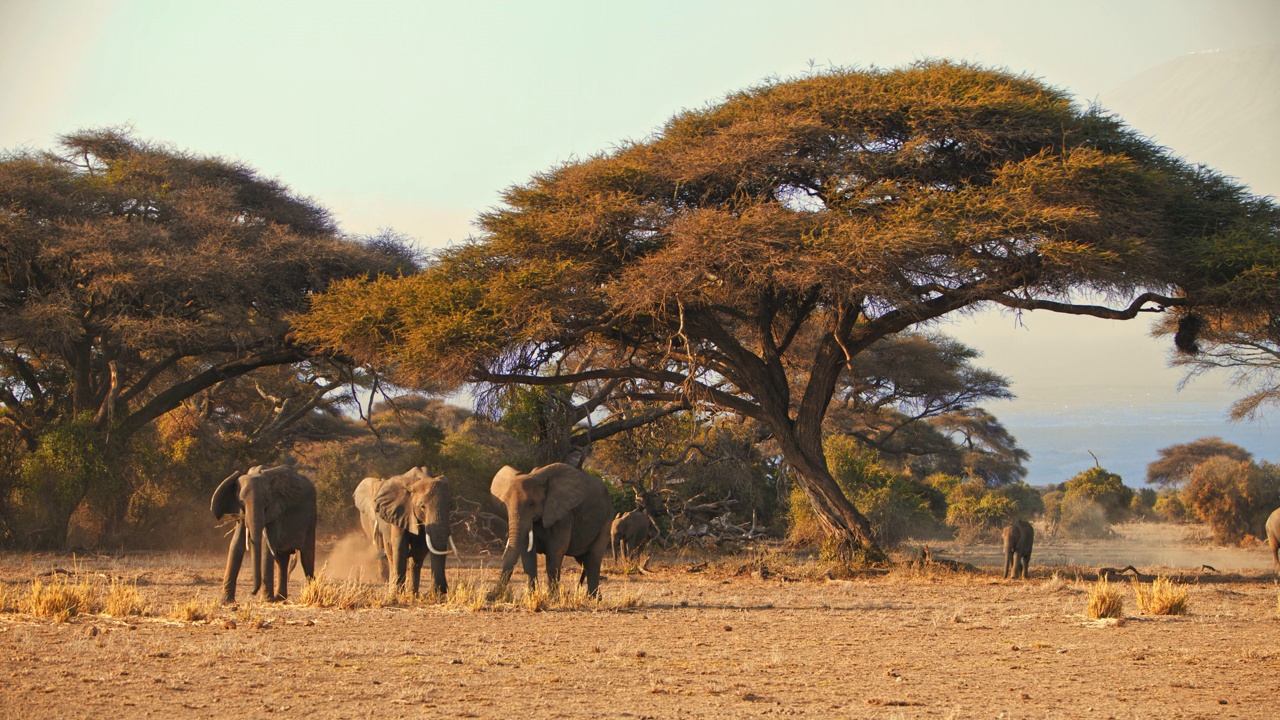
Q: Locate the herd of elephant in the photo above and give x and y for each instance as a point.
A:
(554, 510)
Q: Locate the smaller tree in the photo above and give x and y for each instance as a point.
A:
(1177, 462)
(1105, 489)
(1233, 497)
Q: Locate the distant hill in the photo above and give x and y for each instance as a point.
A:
(1105, 388)
(1219, 108)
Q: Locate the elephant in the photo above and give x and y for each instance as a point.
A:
(1018, 539)
(1273, 538)
(280, 503)
(630, 533)
(555, 510)
(407, 517)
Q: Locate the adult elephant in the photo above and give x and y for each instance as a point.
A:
(407, 518)
(555, 510)
(1273, 538)
(1018, 539)
(630, 533)
(275, 510)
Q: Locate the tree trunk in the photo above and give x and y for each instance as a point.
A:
(840, 520)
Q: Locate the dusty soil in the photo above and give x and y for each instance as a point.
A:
(712, 643)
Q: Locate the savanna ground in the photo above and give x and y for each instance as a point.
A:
(720, 639)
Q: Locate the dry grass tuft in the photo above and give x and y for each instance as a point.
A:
(345, 595)
(61, 599)
(1162, 597)
(627, 600)
(468, 594)
(535, 600)
(123, 600)
(194, 610)
(1105, 601)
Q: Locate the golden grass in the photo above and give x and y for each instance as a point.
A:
(194, 610)
(123, 600)
(1105, 601)
(62, 598)
(1161, 597)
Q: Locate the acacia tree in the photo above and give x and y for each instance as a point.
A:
(1178, 462)
(844, 208)
(134, 277)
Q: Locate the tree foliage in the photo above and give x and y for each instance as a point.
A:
(741, 257)
(1234, 497)
(1176, 462)
(136, 277)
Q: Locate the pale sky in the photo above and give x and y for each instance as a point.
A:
(415, 115)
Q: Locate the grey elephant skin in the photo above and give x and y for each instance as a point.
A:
(1273, 538)
(555, 510)
(1018, 540)
(630, 533)
(407, 518)
(275, 510)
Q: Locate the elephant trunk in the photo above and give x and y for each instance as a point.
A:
(516, 544)
(255, 522)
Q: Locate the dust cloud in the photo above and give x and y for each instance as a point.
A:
(352, 557)
(1143, 545)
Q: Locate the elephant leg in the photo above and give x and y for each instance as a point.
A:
(283, 564)
(415, 571)
(530, 562)
(235, 556)
(400, 555)
(308, 554)
(1026, 564)
(591, 571)
(554, 562)
(437, 574)
(269, 574)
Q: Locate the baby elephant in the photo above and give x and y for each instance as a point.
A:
(1018, 539)
(630, 533)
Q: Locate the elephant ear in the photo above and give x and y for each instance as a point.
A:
(364, 494)
(286, 489)
(503, 481)
(226, 499)
(392, 505)
(567, 487)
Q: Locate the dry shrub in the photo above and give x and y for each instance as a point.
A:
(1162, 597)
(123, 599)
(1105, 601)
(627, 600)
(194, 610)
(345, 595)
(535, 600)
(61, 599)
(468, 594)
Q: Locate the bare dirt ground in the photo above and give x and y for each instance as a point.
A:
(718, 642)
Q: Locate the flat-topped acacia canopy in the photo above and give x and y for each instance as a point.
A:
(742, 255)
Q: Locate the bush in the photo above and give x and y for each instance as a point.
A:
(1106, 489)
(1169, 507)
(1083, 519)
(1233, 497)
(895, 504)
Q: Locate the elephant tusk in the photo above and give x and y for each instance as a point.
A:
(530, 541)
(431, 547)
(504, 547)
(456, 554)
